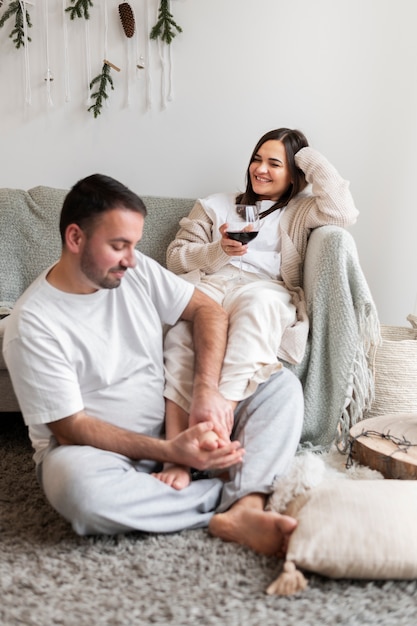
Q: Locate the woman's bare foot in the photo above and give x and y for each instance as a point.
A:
(209, 440)
(176, 476)
(263, 531)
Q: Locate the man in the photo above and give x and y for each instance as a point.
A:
(84, 347)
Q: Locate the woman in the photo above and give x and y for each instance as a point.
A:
(296, 190)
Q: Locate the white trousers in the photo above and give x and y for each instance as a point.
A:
(259, 312)
(101, 492)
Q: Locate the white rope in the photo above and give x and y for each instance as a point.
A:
(66, 53)
(139, 57)
(106, 28)
(106, 35)
(48, 75)
(130, 53)
(161, 50)
(130, 75)
(165, 56)
(138, 61)
(28, 91)
(170, 73)
(148, 58)
(88, 59)
(170, 95)
(162, 60)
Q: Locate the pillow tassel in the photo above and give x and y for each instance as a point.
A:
(288, 582)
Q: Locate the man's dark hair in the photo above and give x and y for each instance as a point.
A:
(93, 196)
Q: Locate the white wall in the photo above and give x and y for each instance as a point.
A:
(343, 71)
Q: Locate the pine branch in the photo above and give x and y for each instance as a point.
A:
(18, 32)
(164, 28)
(100, 96)
(80, 9)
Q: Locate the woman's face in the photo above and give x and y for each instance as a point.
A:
(269, 172)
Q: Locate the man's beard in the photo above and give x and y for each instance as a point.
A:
(91, 271)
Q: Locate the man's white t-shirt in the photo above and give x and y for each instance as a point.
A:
(101, 352)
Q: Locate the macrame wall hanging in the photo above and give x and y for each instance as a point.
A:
(134, 60)
(80, 9)
(21, 14)
(103, 80)
(164, 32)
(158, 28)
(49, 77)
(20, 37)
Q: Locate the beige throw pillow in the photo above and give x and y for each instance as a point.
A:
(356, 529)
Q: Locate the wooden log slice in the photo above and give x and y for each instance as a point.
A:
(387, 443)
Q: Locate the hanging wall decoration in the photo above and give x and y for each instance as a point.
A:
(148, 58)
(166, 26)
(79, 9)
(154, 32)
(104, 79)
(66, 53)
(49, 77)
(21, 37)
(164, 31)
(127, 19)
(22, 22)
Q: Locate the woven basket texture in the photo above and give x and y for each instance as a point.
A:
(396, 371)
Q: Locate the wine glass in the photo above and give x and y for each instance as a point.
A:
(242, 225)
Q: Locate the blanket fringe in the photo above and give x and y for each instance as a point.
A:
(363, 376)
(290, 581)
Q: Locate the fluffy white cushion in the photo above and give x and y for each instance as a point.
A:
(356, 529)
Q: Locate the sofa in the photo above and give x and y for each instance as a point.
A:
(336, 371)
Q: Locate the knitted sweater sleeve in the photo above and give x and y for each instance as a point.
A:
(193, 247)
(333, 202)
(330, 202)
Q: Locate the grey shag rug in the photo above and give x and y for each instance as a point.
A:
(51, 577)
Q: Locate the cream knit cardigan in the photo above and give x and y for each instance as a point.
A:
(194, 254)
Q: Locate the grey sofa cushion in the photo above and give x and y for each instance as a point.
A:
(161, 224)
(30, 239)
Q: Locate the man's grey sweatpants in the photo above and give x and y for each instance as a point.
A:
(101, 492)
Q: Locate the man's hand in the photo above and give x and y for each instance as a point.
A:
(188, 448)
(185, 449)
(208, 405)
(210, 323)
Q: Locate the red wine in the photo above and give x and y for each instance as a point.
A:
(244, 236)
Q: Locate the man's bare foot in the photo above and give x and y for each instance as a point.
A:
(263, 531)
(176, 476)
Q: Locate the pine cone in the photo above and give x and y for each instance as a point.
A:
(127, 18)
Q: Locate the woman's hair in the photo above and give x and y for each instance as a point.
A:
(93, 196)
(293, 141)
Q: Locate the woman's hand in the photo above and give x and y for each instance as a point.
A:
(230, 246)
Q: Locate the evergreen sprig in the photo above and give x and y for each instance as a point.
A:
(164, 28)
(18, 32)
(80, 9)
(100, 96)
